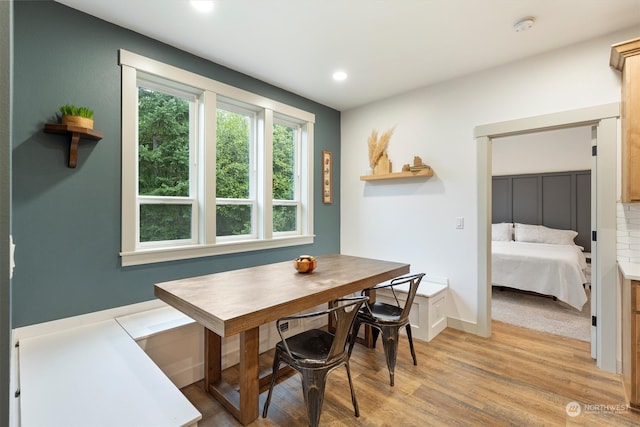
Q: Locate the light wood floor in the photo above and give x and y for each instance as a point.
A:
(518, 377)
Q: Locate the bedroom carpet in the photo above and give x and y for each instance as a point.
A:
(541, 314)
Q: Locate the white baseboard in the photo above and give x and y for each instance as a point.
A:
(462, 325)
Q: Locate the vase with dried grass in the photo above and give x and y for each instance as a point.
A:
(378, 151)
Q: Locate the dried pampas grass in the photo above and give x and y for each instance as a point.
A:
(372, 142)
(377, 147)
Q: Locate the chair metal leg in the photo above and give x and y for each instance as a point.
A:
(413, 352)
(353, 393)
(313, 385)
(274, 376)
(390, 345)
(375, 332)
(354, 336)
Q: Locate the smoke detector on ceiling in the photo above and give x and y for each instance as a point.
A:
(524, 24)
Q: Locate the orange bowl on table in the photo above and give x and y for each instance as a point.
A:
(305, 263)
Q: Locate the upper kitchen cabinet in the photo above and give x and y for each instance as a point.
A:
(625, 57)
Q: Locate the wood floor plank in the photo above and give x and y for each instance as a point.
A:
(517, 377)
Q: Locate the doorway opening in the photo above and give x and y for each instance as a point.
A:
(543, 178)
(604, 120)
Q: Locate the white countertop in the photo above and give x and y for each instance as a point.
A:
(629, 270)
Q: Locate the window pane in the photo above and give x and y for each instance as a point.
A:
(163, 144)
(284, 218)
(232, 152)
(165, 222)
(283, 162)
(233, 220)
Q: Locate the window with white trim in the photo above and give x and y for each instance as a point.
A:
(208, 168)
(286, 176)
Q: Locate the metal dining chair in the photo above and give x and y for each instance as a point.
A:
(388, 319)
(316, 352)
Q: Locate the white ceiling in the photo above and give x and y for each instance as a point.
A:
(386, 46)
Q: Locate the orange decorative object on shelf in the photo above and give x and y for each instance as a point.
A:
(305, 263)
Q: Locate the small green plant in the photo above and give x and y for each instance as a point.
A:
(73, 110)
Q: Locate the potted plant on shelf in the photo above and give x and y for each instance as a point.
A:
(76, 116)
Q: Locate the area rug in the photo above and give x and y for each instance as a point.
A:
(541, 314)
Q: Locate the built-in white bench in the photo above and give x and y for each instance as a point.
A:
(173, 340)
(148, 323)
(428, 314)
(117, 367)
(95, 374)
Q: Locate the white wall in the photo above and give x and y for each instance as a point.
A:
(414, 221)
(551, 151)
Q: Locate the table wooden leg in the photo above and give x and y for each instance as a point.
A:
(249, 375)
(242, 403)
(212, 359)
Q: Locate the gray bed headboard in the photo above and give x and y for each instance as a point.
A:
(557, 200)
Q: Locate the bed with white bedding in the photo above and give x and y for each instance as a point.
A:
(541, 260)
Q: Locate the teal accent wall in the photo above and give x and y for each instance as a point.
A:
(66, 222)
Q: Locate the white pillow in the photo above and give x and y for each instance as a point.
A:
(542, 234)
(502, 232)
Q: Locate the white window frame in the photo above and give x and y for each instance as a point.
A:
(192, 199)
(205, 242)
(252, 200)
(297, 202)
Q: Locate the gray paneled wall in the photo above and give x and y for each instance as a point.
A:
(557, 200)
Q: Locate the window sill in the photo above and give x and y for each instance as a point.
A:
(149, 256)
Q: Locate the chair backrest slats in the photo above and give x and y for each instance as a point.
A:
(414, 282)
(344, 314)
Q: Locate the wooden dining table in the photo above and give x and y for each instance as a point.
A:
(239, 301)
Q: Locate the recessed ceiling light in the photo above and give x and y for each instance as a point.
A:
(202, 5)
(339, 76)
(524, 24)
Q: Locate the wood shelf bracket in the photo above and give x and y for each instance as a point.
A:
(75, 134)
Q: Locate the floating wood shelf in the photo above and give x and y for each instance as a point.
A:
(75, 134)
(422, 173)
